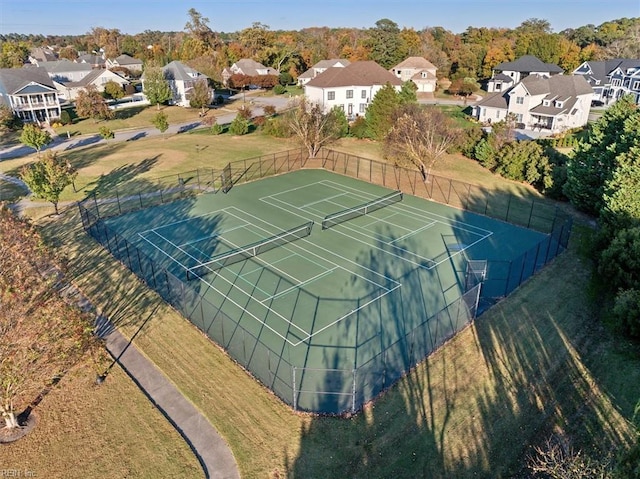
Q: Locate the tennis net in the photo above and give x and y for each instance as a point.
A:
(245, 252)
(360, 210)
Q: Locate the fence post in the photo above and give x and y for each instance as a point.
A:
(533, 202)
(353, 391)
(293, 386)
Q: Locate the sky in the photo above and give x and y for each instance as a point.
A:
(77, 17)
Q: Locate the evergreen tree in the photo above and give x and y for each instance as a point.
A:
(595, 160)
(381, 111)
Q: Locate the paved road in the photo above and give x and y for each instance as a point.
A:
(223, 116)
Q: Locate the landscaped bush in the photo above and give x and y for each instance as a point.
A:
(279, 90)
(358, 128)
(239, 126)
(276, 127)
(65, 117)
(217, 129)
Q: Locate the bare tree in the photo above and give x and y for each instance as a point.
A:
(557, 462)
(420, 136)
(313, 127)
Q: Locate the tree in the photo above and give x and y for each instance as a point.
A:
(8, 121)
(595, 159)
(156, 87)
(42, 336)
(420, 136)
(314, 128)
(14, 54)
(198, 28)
(35, 137)
(200, 95)
(48, 177)
(106, 133)
(408, 93)
(160, 121)
(379, 114)
(385, 44)
(239, 126)
(90, 104)
(114, 90)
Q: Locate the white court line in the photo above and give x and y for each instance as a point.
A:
(299, 285)
(211, 213)
(188, 243)
(320, 201)
(411, 233)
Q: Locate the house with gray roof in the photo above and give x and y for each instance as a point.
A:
(506, 74)
(612, 79)
(42, 54)
(30, 94)
(181, 79)
(125, 61)
(99, 78)
(420, 71)
(549, 104)
(247, 67)
(65, 71)
(320, 67)
(350, 88)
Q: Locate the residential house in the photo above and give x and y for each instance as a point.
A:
(93, 59)
(320, 67)
(125, 61)
(351, 88)
(64, 71)
(181, 79)
(612, 79)
(30, 94)
(99, 78)
(42, 54)
(551, 104)
(418, 70)
(247, 67)
(507, 74)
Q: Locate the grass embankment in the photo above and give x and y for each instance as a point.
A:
(536, 364)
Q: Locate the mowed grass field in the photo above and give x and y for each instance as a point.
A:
(537, 364)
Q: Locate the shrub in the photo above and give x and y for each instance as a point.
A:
(626, 312)
(269, 110)
(259, 122)
(65, 117)
(106, 133)
(276, 127)
(239, 126)
(279, 90)
(245, 112)
(217, 129)
(358, 128)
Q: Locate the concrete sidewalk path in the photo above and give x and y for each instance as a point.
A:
(209, 447)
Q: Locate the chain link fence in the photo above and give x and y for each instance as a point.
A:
(359, 380)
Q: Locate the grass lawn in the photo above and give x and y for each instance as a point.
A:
(536, 364)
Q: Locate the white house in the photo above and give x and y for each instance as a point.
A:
(65, 71)
(99, 78)
(351, 88)
(420, 71)
(551, 104)
(30, 94)
(181, 79)
(320, 67)
(612, 79)
(507, 74)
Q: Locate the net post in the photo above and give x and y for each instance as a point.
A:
(293, 388)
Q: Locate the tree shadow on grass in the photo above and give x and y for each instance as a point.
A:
(123, 178)
(477, 405)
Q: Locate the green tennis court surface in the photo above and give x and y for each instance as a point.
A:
(326, 318)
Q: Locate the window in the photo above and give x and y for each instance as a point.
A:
(363, 107)
(349, 93)
(546, 102)
(519, 117)
(331, 95)
(636, 85)
(498, 86)
(363, 94)
(497, 114)
(616, 82)
(519, 100)
(559, 104)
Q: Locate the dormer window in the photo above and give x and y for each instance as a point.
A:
(559, 104)
(546, 103)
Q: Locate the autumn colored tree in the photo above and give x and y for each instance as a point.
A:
(313, 127)
(41, 336)
(200, 95)
(114, 90)
(90, 104)
(420, 136)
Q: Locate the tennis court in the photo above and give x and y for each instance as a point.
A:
(324, 287)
